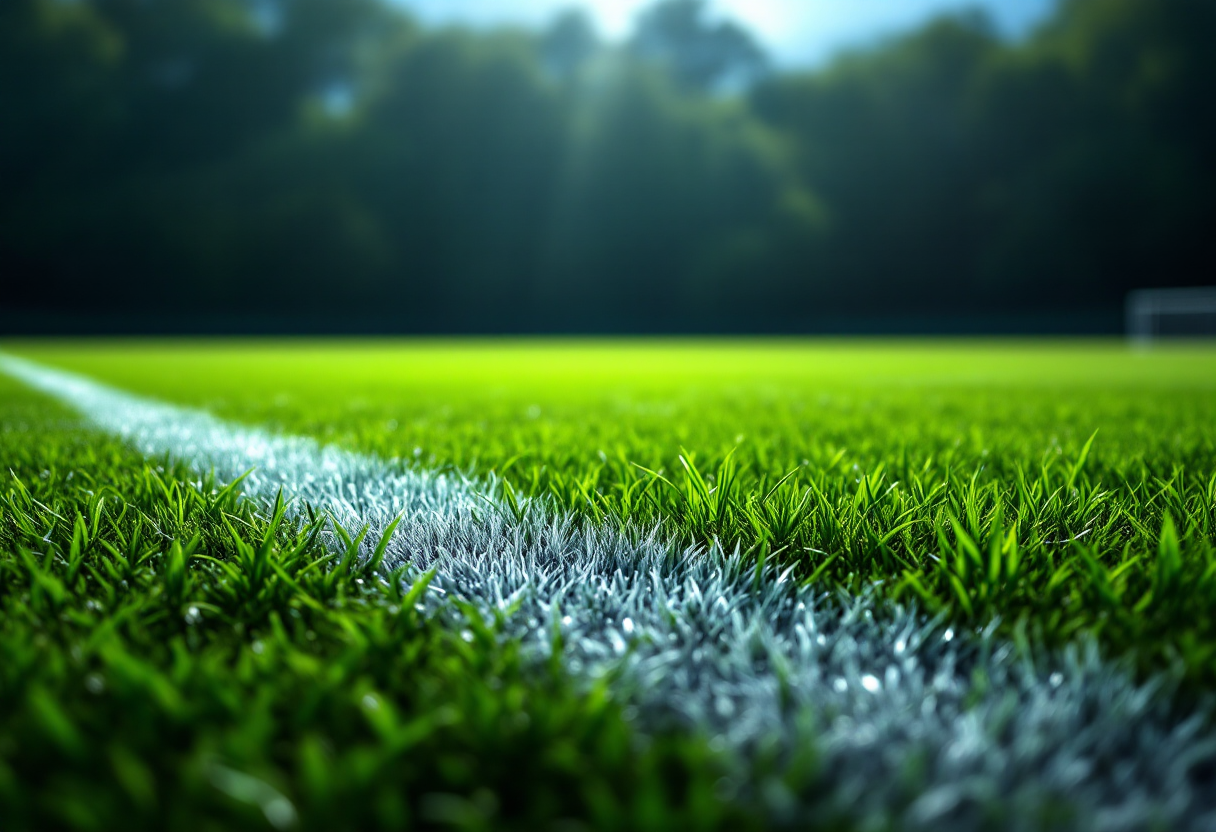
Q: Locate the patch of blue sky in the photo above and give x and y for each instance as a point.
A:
(796, 32)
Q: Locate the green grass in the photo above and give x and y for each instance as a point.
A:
(1066, 488)
(171, 660)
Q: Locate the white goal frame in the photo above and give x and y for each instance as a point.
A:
(1150, 312)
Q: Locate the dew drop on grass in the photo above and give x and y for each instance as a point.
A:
(467, 635)
(370, 702)
(870, 683)
(280, 812)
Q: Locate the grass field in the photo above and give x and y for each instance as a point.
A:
(173, 655)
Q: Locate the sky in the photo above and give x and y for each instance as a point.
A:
(796, 32)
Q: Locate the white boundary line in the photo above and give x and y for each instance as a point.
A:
(912, 725)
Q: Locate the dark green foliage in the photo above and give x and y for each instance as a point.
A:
(330, 157)
(697, 52)
(963, 173)
(170, 660)
(267, 150)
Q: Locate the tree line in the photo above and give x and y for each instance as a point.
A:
(335, 159)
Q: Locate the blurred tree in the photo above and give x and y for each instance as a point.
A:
(967, 174)
(698, 52)
(177, 157)
(1102, 154)
(459, 150)
(569, 42)
(150, 132)
(887, 140)
(670, 212)
(57, 79)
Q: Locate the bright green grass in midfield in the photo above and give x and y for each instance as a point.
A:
(1065, 487)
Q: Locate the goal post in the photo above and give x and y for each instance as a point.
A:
(1153, 314)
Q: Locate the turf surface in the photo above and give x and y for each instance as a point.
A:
(1067, 486)
(965, 476)
(171, 659)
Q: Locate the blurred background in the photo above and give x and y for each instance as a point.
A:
(455, 166)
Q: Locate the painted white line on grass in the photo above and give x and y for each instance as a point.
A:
(904, 722)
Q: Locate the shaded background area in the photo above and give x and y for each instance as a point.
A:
(335, 165)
